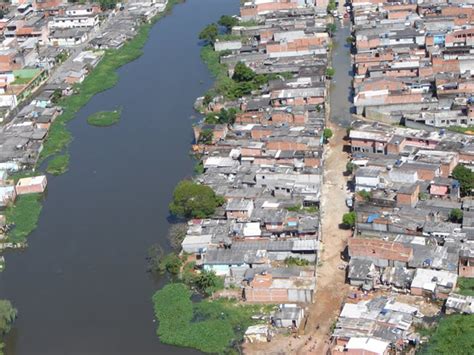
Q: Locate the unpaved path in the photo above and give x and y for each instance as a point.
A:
(331, 287)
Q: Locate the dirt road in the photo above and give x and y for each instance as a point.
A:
(331, 287)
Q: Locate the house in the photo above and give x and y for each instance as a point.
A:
(258, 334)
(31, 185)
(466, 262)
(459, 304)
(366, 346)
(433, 283)
(382, 253)
(7, 195)
(265, 288)
(362, 273)
(368, 178)
(239, 209)
(288, 316)
(408, 195)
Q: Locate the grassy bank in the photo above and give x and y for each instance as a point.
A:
(464, 130)
(58, 165)
(466, 286)
(24, 214)
(453, 335)
(209, 326)
(104, 118)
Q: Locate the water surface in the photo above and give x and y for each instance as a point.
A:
(81, 286)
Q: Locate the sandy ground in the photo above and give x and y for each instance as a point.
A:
(331, 287)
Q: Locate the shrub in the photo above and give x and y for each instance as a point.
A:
(327, 133)
(292, 261)
(466, 179)
(205, 137)
(7, 316)
(209, 33)
(243, 73)
(330, 72)
(349, 219)
(455, 215)
(466, 286)
(350, 167)
(228, 22)
(364, 194)
(452, 336)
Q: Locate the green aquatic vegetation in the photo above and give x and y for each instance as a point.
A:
(104, 118)
(58, 165)
(209, 326)
(24, 214)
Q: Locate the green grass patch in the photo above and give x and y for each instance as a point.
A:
(104, 118)
(209, 326)
(58, 165)
(466, 286)
(453, 335)
(459, 129)
(102, 77)
(24, 214)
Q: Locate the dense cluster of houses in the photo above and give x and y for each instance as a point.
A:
(405, 239)
(413, 62)
(36, 38)
(405, 194)
(267, 164)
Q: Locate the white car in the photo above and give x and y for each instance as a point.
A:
(349, 202)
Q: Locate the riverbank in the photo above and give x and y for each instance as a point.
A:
(100, 218)
(54, 151)
(261, 146)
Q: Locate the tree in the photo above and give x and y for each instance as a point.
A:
(205, 137)
(208, 282)
(350, 167)
(331, 6)
(7, 316)
(207, 100)
(466, 179)
(107, 4)
(349, 219)
(228, 22)
(209, 33)
(330, 72)
(455, 215)
(331, 28)
(171, 263)
(193, 200)
(364, 194)
(57, 94)
(327, 133)
(243, 73)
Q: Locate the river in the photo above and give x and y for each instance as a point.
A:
(341, 85)
(81, 287)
